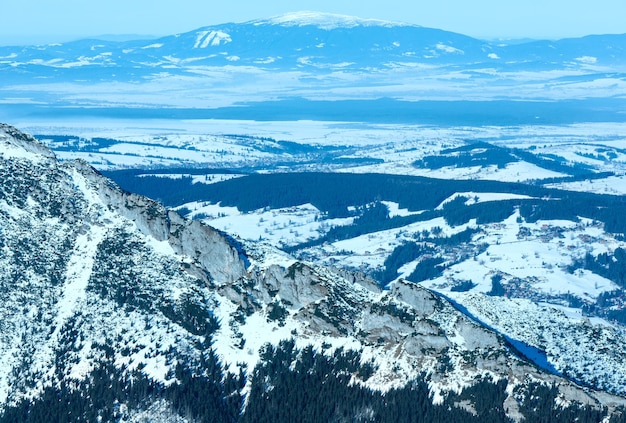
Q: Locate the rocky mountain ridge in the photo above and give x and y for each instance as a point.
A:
(96, 279)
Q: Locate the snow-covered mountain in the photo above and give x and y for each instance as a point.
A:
(299, 40)
(314, 40)
(306, 55)
(103, 289)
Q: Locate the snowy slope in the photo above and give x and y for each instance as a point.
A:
(579, 350)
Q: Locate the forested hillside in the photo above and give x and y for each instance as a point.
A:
(337, 193)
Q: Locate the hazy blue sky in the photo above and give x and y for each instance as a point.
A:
(49, 21)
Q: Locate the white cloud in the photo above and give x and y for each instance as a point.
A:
(590, 60)
(448, 49)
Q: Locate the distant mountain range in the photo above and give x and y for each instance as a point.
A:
(318, 55)
(322, 41)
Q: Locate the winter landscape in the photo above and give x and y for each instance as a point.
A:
(247, 221)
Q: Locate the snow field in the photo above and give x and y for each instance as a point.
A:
(279, 226)
(538, 259)
(481, 197)
(613, 185)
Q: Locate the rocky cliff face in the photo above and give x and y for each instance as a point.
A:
(90, 274)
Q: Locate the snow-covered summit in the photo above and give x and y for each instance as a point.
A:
(327, 21)
(16, 144)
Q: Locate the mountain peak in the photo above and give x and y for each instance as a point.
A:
(16, 144)
(325, 21)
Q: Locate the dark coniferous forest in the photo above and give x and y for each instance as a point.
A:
(335, 193)
(288, 385)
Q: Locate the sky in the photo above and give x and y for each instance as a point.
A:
(44, 21)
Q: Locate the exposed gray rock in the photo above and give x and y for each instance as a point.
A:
(13, 136)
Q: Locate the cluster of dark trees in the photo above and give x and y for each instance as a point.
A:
(94, 399)
(610, 266)
(463, 286)
(577, 178)
(288, 385)
(73, 143)
(335, 193)
(203, 392)
(428, 268)
(475, 154)
(609, 304)
(427, 247)
(484, 154)
(401, 255)
(497, 289)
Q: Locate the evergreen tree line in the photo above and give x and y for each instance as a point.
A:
(203, 392)
(288, 385)
(484, 154)
(73, 143)
(577, 178)
(467, 156)
(427, 268)
(610, 266)
(335, 193)
(332, 193)
(613, 267)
